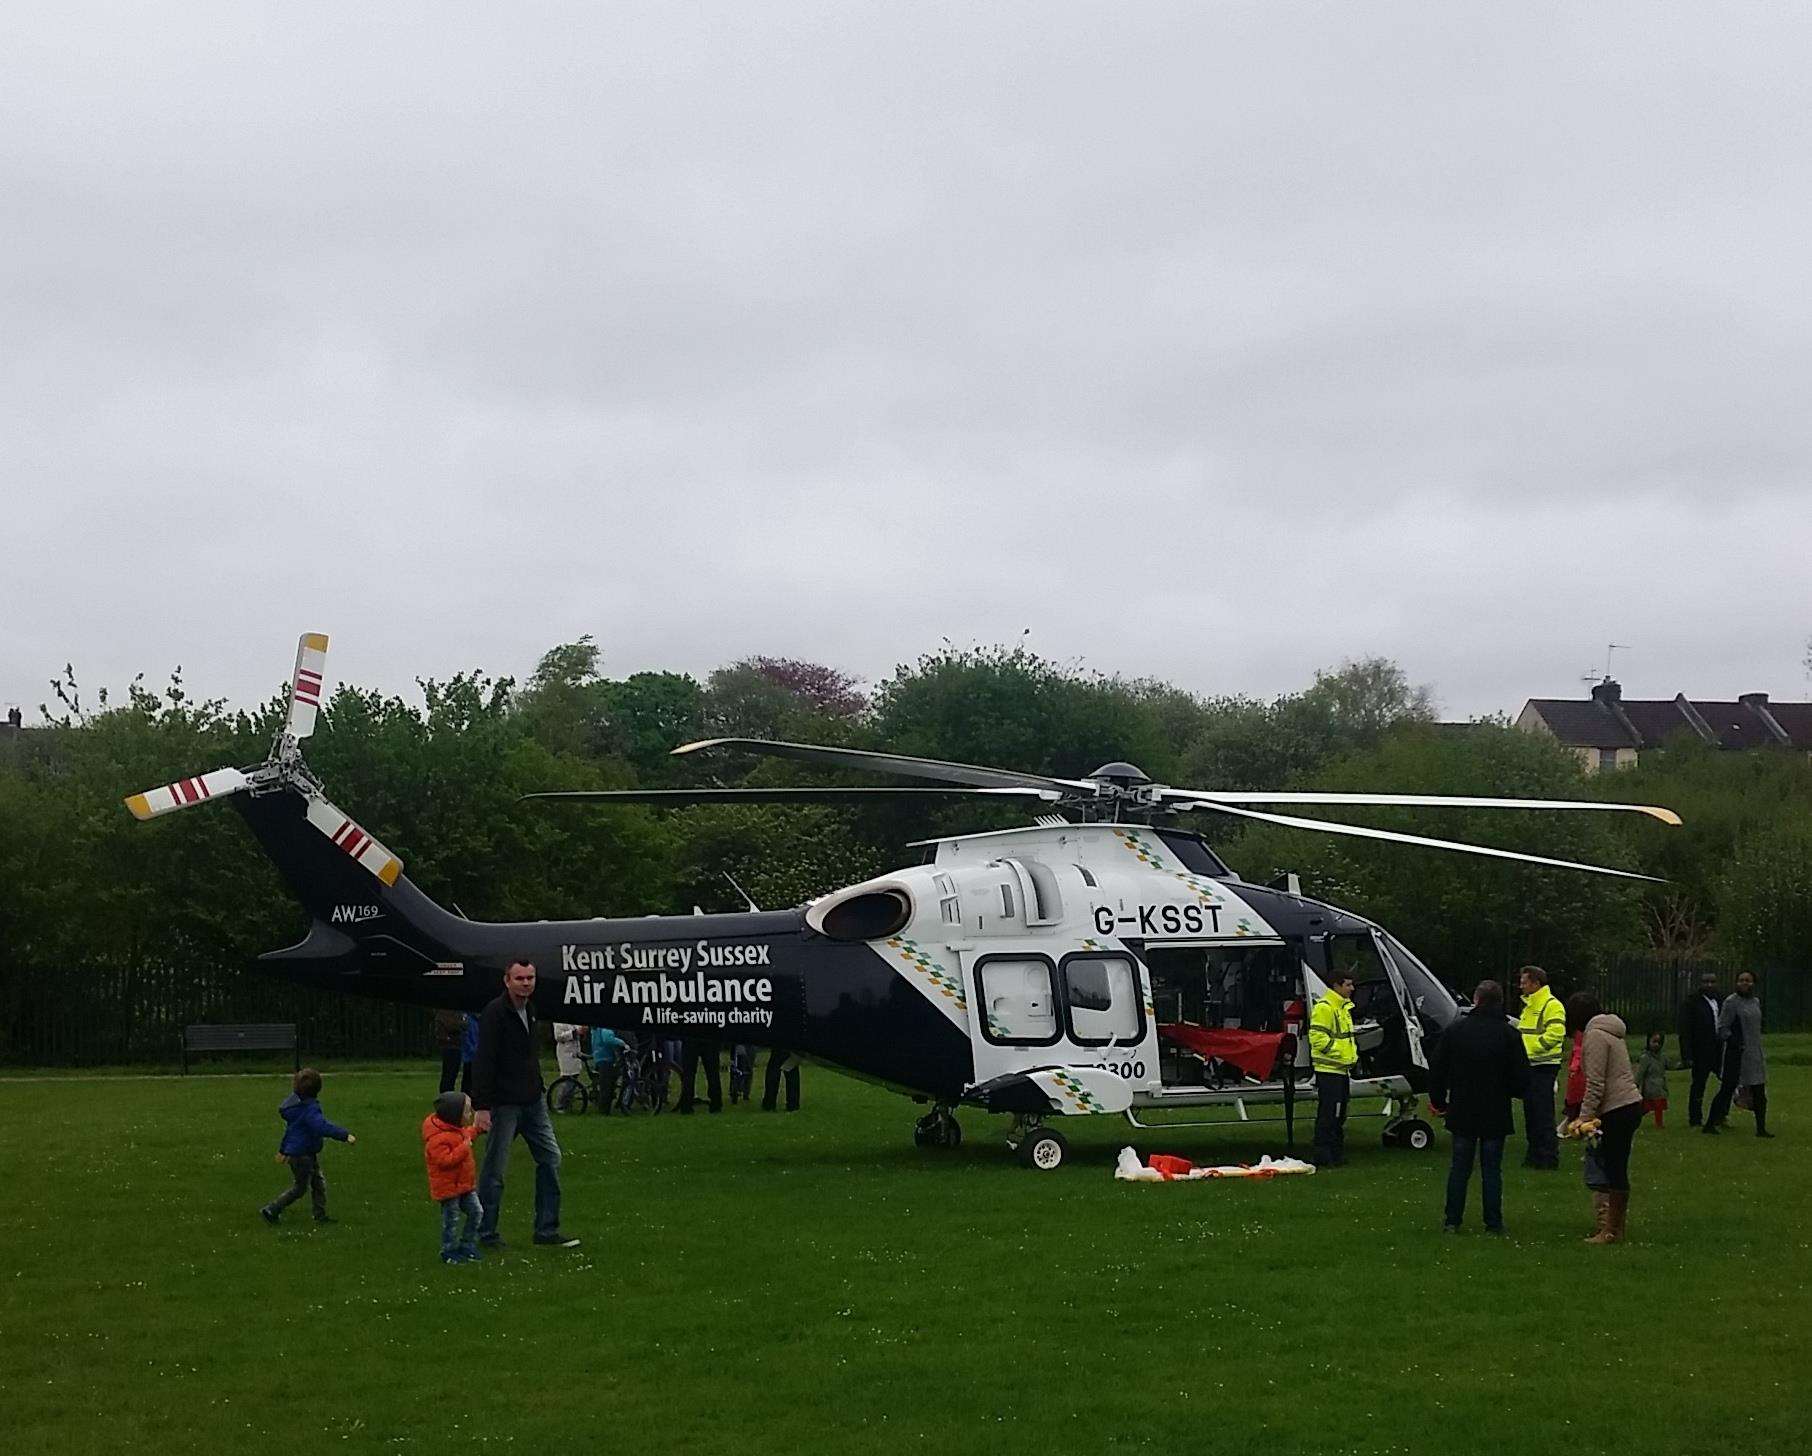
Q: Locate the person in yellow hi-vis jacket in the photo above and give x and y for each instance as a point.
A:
(1543, 1025)
(1332, 1053)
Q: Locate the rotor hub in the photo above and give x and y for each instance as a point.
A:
(1120, 775)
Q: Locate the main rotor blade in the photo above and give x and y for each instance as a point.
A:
(1426, 801)
(681, 798)
(1361, 832)
(973, 775)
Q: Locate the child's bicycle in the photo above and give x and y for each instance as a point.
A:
(570, 1094)
(642, 1085)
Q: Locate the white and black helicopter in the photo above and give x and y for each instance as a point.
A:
(1100, 960)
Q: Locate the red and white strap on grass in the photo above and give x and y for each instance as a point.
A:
(307, 684)
(348, 837)
(186, 792)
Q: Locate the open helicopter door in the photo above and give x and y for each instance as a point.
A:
(1412, 1020)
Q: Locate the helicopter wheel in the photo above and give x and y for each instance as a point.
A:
(1043, 1149)
(1412, 1133)
(938, 1129)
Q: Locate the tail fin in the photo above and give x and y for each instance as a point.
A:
(389, 921)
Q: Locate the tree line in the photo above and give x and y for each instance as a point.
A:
(439, 779)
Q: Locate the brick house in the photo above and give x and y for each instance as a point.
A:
(1608, 730)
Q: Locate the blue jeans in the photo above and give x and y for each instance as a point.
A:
(530, 1121)
(466, 1240)
(1490, 1154)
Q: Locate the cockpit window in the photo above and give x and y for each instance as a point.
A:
(1431, 999)
(1194, 855)
(1356, 956)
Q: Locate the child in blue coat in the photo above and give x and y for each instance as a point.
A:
(305, 1130)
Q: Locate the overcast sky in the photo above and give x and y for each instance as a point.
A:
(1215, 342)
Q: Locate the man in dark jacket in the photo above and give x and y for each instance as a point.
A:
(1479, 1070)
(507, 1092)
(1700, 1048)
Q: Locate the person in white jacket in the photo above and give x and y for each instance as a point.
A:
(568, 1056)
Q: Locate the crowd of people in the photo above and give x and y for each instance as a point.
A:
(1485, 1064)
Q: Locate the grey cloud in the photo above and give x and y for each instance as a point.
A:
(1213, 343)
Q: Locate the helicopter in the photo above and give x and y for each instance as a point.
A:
(1101, 960)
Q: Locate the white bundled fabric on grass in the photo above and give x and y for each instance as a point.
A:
(1129, 1169)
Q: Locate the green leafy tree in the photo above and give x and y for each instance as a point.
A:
(1765, 896)
(650, 714)
(1010, 708)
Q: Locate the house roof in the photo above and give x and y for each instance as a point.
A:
(1583, 725)
(1796, 719)
(1607, 720)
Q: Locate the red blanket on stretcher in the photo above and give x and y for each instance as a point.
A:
(1253, 1052)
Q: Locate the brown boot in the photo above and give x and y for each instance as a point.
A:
(1620, 1214)
(1601, 1215)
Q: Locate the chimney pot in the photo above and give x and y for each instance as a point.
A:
(1607, 692)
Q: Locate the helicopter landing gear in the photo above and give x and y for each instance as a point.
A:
(938, 1128)
(1411, 1133)
(1038, 1146)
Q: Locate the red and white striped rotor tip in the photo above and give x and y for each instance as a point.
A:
(306, 685)
(347, 836)
(185, 793)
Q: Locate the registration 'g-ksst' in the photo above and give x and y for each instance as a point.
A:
(1101, 960)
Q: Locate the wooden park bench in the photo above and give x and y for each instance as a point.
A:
(265, 1036)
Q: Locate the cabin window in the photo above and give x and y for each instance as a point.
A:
(1018, 996)
(1102, 1001)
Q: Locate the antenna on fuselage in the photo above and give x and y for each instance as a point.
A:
(748, 899)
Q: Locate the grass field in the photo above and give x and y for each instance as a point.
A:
(755, 1283)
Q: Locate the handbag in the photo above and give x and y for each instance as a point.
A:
(1745, 1099)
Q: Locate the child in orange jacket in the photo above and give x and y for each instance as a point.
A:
(447, 1134)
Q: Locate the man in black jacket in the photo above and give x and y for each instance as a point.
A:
(507, 1093)
(1479, 1070)
(1700, 1048)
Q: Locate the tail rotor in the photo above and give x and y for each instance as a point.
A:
(283, 771)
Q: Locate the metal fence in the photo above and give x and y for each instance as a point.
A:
(116, 1015)
(1647, 991)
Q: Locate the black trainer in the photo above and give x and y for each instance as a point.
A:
(556, 1240)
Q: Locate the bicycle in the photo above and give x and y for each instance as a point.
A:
(568, 1094)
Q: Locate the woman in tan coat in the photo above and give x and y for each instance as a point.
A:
(1614, 1101)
